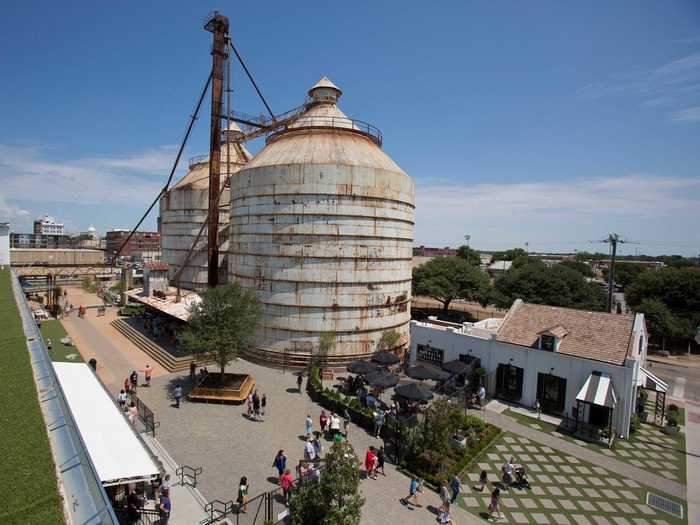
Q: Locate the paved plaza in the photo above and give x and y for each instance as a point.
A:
(565, 490)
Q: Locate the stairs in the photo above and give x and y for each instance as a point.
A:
(157, 352)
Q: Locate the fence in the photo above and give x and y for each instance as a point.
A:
(188, 475)
(145, 415)
(146, 516)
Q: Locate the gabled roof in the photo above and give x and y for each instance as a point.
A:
(557, 331)
(591, 335)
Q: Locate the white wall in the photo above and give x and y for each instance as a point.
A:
(574, 369)
(4, 244)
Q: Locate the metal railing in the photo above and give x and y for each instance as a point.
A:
(344, 123)
(188, 475)
(145, 415)
(145, 516)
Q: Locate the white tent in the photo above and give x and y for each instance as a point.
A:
(116, 451)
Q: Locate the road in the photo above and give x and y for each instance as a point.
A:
(683, 382)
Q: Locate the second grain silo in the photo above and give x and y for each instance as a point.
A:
(183, 210)
(322, 230)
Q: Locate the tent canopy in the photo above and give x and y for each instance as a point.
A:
(598, 390)
(651, 382)
(116, 451)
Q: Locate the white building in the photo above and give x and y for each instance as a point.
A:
(584, 365)
(4, 244)
(47, 225)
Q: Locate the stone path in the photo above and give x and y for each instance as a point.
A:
(651, 479)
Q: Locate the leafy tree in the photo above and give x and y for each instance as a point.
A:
(510, 255)
(580, 266)
(222, 324)
(662, 323)
(389, 340)
(335, 499)
(590, 256)
(470, 255)
(326, 344)
(448, 278)
(625, 273)
(557, 286)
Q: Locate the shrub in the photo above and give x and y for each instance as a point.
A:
(634, 423)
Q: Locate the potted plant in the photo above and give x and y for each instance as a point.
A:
(672, 417)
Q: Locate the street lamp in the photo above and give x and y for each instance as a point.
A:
(467, 238)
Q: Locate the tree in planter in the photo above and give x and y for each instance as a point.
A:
(222, 324)
(326, 345)
(335, 499)
(389, 340)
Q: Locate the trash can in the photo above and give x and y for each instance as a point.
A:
(93, 364)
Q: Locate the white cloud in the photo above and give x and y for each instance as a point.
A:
(28, 173)
(686, 115)
(10, 211)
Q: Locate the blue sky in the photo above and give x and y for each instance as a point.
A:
(520, 121)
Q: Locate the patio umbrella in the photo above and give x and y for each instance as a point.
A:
(381, 379)
(413, 392)
(386, 358)
(423, 372)
(456, 367)
(361, 367)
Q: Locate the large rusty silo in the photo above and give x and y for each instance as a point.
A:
(183, 210)
(322, 229)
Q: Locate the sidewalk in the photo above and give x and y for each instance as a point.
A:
(624, 469)
(679, 360)
(692, 444)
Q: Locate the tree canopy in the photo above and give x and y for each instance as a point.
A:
(510, 255)
(470, 255)
(581, 267)
(557, 286)
(222, 324)
(335, 499)
(625, 273)
(389, 339)
(448, 278)
(676, 289)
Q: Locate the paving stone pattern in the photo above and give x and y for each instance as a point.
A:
(571, 493)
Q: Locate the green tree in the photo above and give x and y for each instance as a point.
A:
(590, 256)
(662, 323)
(222, 324)
(448, 278)
(580, 266)
(389, 340)
(335, 499)
(326, 345)
(470, 255)
(556, 286)
(625, 273)
(510, 255)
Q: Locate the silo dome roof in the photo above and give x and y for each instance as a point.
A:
(325, 82)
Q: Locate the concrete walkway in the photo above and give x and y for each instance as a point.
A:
(692, 457)
(624, 469)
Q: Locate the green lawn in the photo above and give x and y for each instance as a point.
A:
(565, 490)
(31, 495)
(53, 329)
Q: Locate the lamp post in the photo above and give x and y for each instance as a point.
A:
(467, 238)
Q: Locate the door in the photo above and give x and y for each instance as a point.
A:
(551, 392)
(598, 416)
(509, 382)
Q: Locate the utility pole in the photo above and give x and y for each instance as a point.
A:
(613, 239)
(467, 238)
(218, 25)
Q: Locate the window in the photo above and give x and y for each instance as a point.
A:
(547, 342)
(430, 354)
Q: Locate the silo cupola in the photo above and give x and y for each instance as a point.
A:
(325, 91)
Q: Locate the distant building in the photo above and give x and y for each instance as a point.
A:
(4, 244)
(425, 251)
(37, 240)
(485, 258)
(498, 267)
(91, 233)
(139, 243)
(649, 265)
(47, 225)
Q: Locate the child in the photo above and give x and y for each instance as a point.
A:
(380, 461)
(494, 506)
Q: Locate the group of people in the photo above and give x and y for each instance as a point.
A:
(331, 424)
(161, 493)
(256, 405)
(374, 462)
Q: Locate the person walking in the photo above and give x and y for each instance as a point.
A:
(127, 385)
(378, 422)
(444, 494)
(346, 423)
(309, 425)
(133, 380)
(455, 487)
(380, 461)
(256, 407)
(444, 516)
(242, 499)
(370, 463)
(323, 421)
(309, 451)
(133, 505)
(286, 481)
(133, 413)
(249, 405)
(495, 504)
(148, 372)
(263, 405)
(164, 507)
(413, 489)
(318, 446)
(483, 481)
(334, 425)
(299, 381)
(280, 463)
(193, 372)
(177, 393)
(121, 399)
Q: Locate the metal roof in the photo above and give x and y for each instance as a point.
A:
(325, 82)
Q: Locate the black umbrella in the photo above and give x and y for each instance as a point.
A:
(361, 367)
(381, 379)
(386, 358)
(456, 367)
(414, 392)
(423, 372)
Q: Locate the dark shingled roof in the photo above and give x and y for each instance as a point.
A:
(592, 335)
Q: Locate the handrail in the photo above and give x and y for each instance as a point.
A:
(321, 122)
(188, 475)
(215, 510)
(146, 415)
